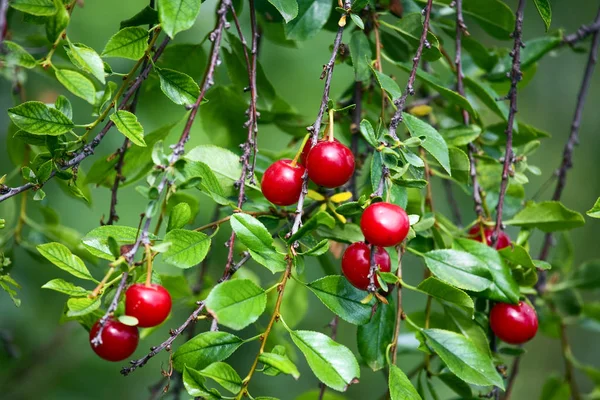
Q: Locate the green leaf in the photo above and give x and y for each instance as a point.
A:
(86, 59)
(332, 363)
(434, 143)
(177, 15)
(148, 16)
(78, 84)
(460, 135)
(517, 255)
(62, 286)
(205, 349)
(504, 288)
(18, 55)
(400, 386)
(130, 43)
(314, 394)
(374, 337)
(59, 255)
(37, 118)
(237, 303)
(342, 298)
(460, 165)
(368, 133)
(484, 92)
(209, 183)
(459, 269)
(58, 22)
(96, 241)
(63, 105)
(555, 388)
(82, 306)
(179, 217)
(594, 212)
(188, 248)
(357, 20)
(253, 234)
(586, 276)
(462, 357)
(224, 375)
(386, 83)
(360, 51)
(194, 383)
(543, 7)
(35, 7)
(177, 86)
(320, 218)
(127, 123)
(457, 385)
(287, 8)
(444, 292)
(279, 362)
(312, 16)
(547, 216)
(410, 28)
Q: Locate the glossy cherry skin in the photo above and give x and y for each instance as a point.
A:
(514, 324)
(384, 224)
(282, 183)
(356, 263)
(502, 242)
(119, 341)
(308, 147)
(330, 164)
(151, 305)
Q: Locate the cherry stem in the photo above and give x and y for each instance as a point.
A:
(148, 266)
(299, 152)
(331, 136)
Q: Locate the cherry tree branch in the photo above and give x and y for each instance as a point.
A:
(583, 32)
(3, 19)
(409, 90)
(515, 77)
(88, 150)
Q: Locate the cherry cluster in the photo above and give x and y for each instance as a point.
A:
(149, 304)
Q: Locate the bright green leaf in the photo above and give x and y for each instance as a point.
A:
(130, 43)
(205, 349)
(547, 216)
(127, 123)
(59, 255)
(188, 248)
(37, 118)
(237, 303)
(177, 15)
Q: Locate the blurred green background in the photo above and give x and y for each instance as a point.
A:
(55, 362)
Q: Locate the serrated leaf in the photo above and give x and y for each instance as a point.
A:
(434, 143)
(35, 7)
(287, 8)
(179, 217)
(59, 255)
(547, 216)
(194, 383)
(130, 43)
(374, 337)
(205, 349)
(280, 363)
(177, 15)
(224, 375)
(594, 212)
(400, 386)
(63, 105)
(459, 269)
(360, 51)
(444, 292)
(387, 84)
(188, 248)
(62, 286)
(147, 16)
(342, 298)
(86, 59)
(177, 86)
(237, 303)
(332, 363)
(312, 16)
(37, 118)
(127, 123)
(57, 23)
(96, 241)
(368, 133)
(17, 54)
(462, 357)
(78, 84)
(82, 306)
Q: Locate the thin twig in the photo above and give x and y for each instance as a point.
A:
(583, 32)
(515, 77)
(97, 340)
(409, 90)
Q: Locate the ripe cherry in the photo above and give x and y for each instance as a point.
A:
(282, 182)
(330, 164)
(119, 341)
(384, 224)
(356, 264)
(502, 242)
(151, 305)
(514, 324)
(308, 147)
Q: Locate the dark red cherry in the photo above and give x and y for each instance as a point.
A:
(330, 164)
(502, 242)
(151, 305)
(308, 147)
(384, 224)
(356, 263)
(282, 182)
(514, 324)
(119, 341)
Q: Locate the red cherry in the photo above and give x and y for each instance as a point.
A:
(384, 224)
(514, 324)
(119, 341)
(502, 242)
(151, 305)
(308, 147)
(282, 182)
(356, 263)
(330, 164)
